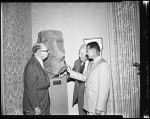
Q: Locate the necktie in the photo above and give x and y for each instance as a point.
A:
(82, 67)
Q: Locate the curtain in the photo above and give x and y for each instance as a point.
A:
(124, 44)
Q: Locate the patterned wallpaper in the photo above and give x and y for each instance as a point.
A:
(124, 52)
(16, 51)
(17, 42)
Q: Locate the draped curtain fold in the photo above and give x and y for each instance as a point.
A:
(124, 43)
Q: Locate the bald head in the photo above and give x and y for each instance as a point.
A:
(37, 46)
(40, 50)
(82, 48)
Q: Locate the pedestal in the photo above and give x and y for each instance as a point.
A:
(58, 96)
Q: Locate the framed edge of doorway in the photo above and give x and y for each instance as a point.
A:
(2, 67)
(94, 39)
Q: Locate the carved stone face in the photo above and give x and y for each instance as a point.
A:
(55, 63)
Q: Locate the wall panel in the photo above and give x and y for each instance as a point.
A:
(16, 43)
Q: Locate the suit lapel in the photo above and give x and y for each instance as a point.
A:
(94, 66)
(41, 68)
(80, 66)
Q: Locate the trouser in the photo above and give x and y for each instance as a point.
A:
(80, 106)
(33, 113)
(81, 110)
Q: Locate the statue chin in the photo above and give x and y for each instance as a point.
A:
(60, 70)
(56, 68)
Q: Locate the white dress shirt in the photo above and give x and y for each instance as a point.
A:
(86, 66)
(41, 61)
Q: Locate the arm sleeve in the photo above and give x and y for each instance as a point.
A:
(103, 87)
(77, 75)
(75, 72)
(32, 86)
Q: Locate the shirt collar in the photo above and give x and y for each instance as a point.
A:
(97, 59)
(41, 62)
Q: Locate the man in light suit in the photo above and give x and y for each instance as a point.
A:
(98, 95)
(36, 100)
(78, 94)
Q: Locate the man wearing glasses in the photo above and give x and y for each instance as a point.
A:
(36, 100)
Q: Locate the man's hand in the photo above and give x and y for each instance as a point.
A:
(37, 111)
(75, 75)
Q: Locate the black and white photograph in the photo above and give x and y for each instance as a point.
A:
(75, 58)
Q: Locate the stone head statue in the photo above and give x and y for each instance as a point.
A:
(55, 63)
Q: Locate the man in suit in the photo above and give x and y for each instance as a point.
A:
(79, 66)
(36, 100)
(98, 95)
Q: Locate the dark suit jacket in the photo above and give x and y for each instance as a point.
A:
(78, 94)
(36, 84)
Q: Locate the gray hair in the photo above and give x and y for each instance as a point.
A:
(82, 47)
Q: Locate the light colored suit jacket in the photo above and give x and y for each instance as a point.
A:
(98, 88)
